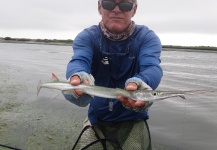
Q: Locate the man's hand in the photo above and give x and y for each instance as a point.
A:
(129, 103)
(78, 97)
(81, 78)
(75, 80)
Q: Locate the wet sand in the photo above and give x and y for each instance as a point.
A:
(31, 122)
(37, 123)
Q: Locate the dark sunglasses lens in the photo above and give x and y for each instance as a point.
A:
(108, 5)
(125, 6)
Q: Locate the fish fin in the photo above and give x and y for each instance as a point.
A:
(39, 87)
(68, 92)
(55, 96)
(54, 78)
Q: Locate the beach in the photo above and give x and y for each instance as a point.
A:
(32, 122)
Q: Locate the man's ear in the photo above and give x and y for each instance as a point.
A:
(134, 10)
(99, 8)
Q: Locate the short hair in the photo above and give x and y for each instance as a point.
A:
(134, 1)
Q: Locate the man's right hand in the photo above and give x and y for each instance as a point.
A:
(75, 80)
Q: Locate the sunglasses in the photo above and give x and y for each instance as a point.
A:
(123, 6)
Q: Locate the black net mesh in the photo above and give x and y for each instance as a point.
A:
(114, 136)
(87, 136)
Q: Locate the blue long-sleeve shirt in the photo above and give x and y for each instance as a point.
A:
(113, 62)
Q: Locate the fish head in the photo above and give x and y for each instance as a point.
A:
(146, 95)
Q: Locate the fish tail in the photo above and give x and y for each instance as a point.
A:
(39, 87)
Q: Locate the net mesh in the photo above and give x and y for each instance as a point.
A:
(86, 137)
(114, 136)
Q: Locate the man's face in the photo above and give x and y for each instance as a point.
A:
(116, 21)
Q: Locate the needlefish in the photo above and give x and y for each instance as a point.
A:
(113, 93)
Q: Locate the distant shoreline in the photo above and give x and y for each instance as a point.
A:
(69, 42)
(187, 49)
(36, 41)
(190, 48)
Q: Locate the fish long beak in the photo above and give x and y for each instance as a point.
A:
(39, 87)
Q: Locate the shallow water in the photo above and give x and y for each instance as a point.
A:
(31, 122)
(190, 124)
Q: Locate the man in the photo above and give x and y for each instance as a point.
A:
(117, 53)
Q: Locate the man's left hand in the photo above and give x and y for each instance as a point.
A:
(129, 103)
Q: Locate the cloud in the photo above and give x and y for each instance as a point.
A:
(168, 16)
(68, 17)
(45, 15)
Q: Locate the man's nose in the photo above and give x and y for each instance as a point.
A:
(116, 9)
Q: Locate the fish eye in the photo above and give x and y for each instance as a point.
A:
(155, 94)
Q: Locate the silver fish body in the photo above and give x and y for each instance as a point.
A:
(103, 91)
(55, 85)
(113, 93)
(66, 87)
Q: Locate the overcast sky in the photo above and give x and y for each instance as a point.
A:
(176, 22)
